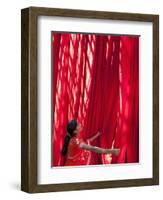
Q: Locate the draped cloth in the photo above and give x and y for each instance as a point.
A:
(96, 81)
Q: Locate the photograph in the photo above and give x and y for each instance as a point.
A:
(95, 99)
(90, 99)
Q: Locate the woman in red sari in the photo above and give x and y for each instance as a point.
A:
(76, 150)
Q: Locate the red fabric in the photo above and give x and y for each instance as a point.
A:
(96, 81)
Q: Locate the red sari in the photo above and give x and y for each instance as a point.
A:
(75, 155)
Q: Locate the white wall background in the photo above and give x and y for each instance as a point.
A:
(10, 50)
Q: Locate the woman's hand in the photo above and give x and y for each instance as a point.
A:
(116, 152)
(98, 133)
(94, 137)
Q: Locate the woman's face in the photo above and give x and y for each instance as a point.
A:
(78, 129)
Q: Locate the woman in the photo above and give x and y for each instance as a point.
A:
(77, 151)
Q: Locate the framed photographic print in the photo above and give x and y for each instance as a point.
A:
(90, 99)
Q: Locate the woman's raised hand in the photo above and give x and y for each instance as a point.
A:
(98, 133)
(94, 137)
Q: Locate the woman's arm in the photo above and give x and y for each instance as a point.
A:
(94, 137)
(98, 149)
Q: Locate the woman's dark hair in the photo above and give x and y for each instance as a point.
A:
(70, 130)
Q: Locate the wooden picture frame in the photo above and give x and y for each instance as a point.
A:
(29, 97)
